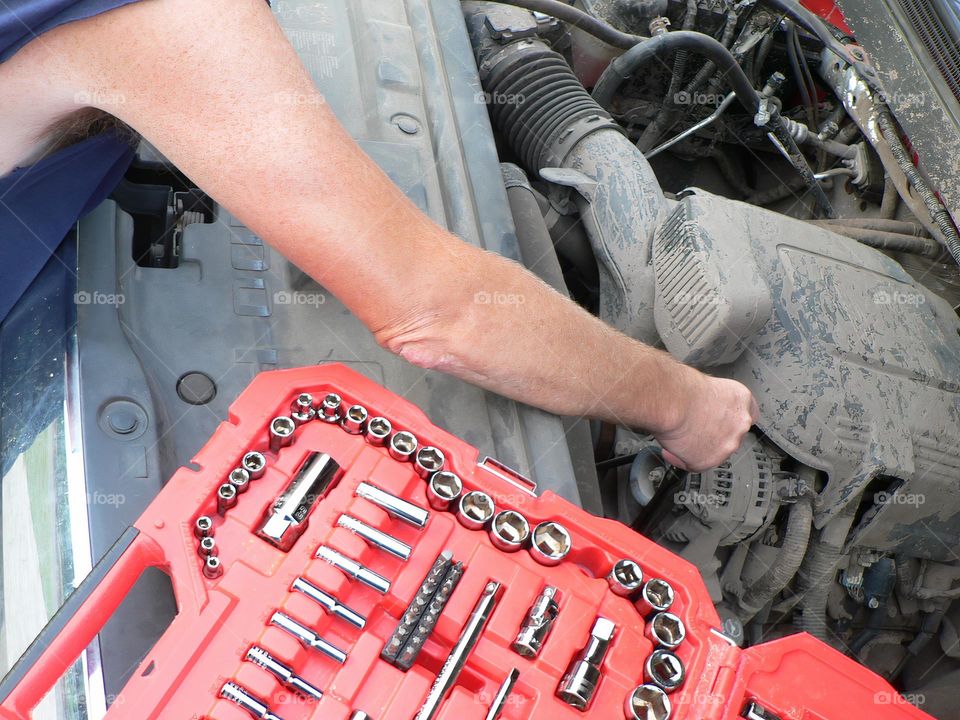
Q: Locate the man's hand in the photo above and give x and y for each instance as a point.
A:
(719, 413)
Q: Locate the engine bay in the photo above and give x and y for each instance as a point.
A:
(734, 178)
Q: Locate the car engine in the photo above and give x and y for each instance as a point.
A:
(730, 190)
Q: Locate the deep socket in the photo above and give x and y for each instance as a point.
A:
(308, 637)
(282, 673)
(377, 538)
(329, 603)
(394, 506)
(352, 568)
(287, 519)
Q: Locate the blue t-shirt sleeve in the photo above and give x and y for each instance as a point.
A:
(23, 20)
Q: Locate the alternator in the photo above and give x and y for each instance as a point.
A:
(737, 495)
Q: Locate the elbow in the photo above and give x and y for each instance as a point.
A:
(425, 340)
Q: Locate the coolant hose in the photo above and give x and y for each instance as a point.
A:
(795, 540)
(817, 573)
(625, 66)
(580, 20)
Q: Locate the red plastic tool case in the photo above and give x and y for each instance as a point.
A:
(797, 678)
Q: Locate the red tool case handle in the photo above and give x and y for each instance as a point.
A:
(77, 623)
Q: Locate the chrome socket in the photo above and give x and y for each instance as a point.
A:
(403, 445)
(330, 408)
(287, 518)
(351, 568)
(582, 677)
(284, 675)
(240, 479)
(354, 420)
(302, 409)
(252, 704)
(226, 498)
(378, 431)
(329, 603)
(665, 630)
(212, 567)
(475, 510)
(429, 460)
(308, 637)
(443, 490)
(550, 543)
(625, 578)
(393, 506)
(509, 531)
(656, 596)
(203, 526)
(665, 670)
(377, 538)
(255, 464)
(647, 702)
(281, 432)
(207, 547)
(537, 623)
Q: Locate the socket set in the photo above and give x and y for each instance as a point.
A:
(338, 556)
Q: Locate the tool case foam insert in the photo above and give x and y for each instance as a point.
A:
(219, 619)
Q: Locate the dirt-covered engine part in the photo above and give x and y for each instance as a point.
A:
(734, 500)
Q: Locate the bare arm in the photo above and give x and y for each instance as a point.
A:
(229, 124)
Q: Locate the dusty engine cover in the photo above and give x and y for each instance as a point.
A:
(855, 366)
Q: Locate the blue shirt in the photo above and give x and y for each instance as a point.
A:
(40, 203)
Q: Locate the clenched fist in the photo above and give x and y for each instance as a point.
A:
(716, 414)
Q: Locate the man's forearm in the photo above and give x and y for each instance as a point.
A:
(514, 334)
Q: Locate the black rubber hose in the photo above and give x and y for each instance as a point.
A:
(793, 56)
(580, 20)
(661, 46)
(817, 573)
(796, 538)
(937, 211)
